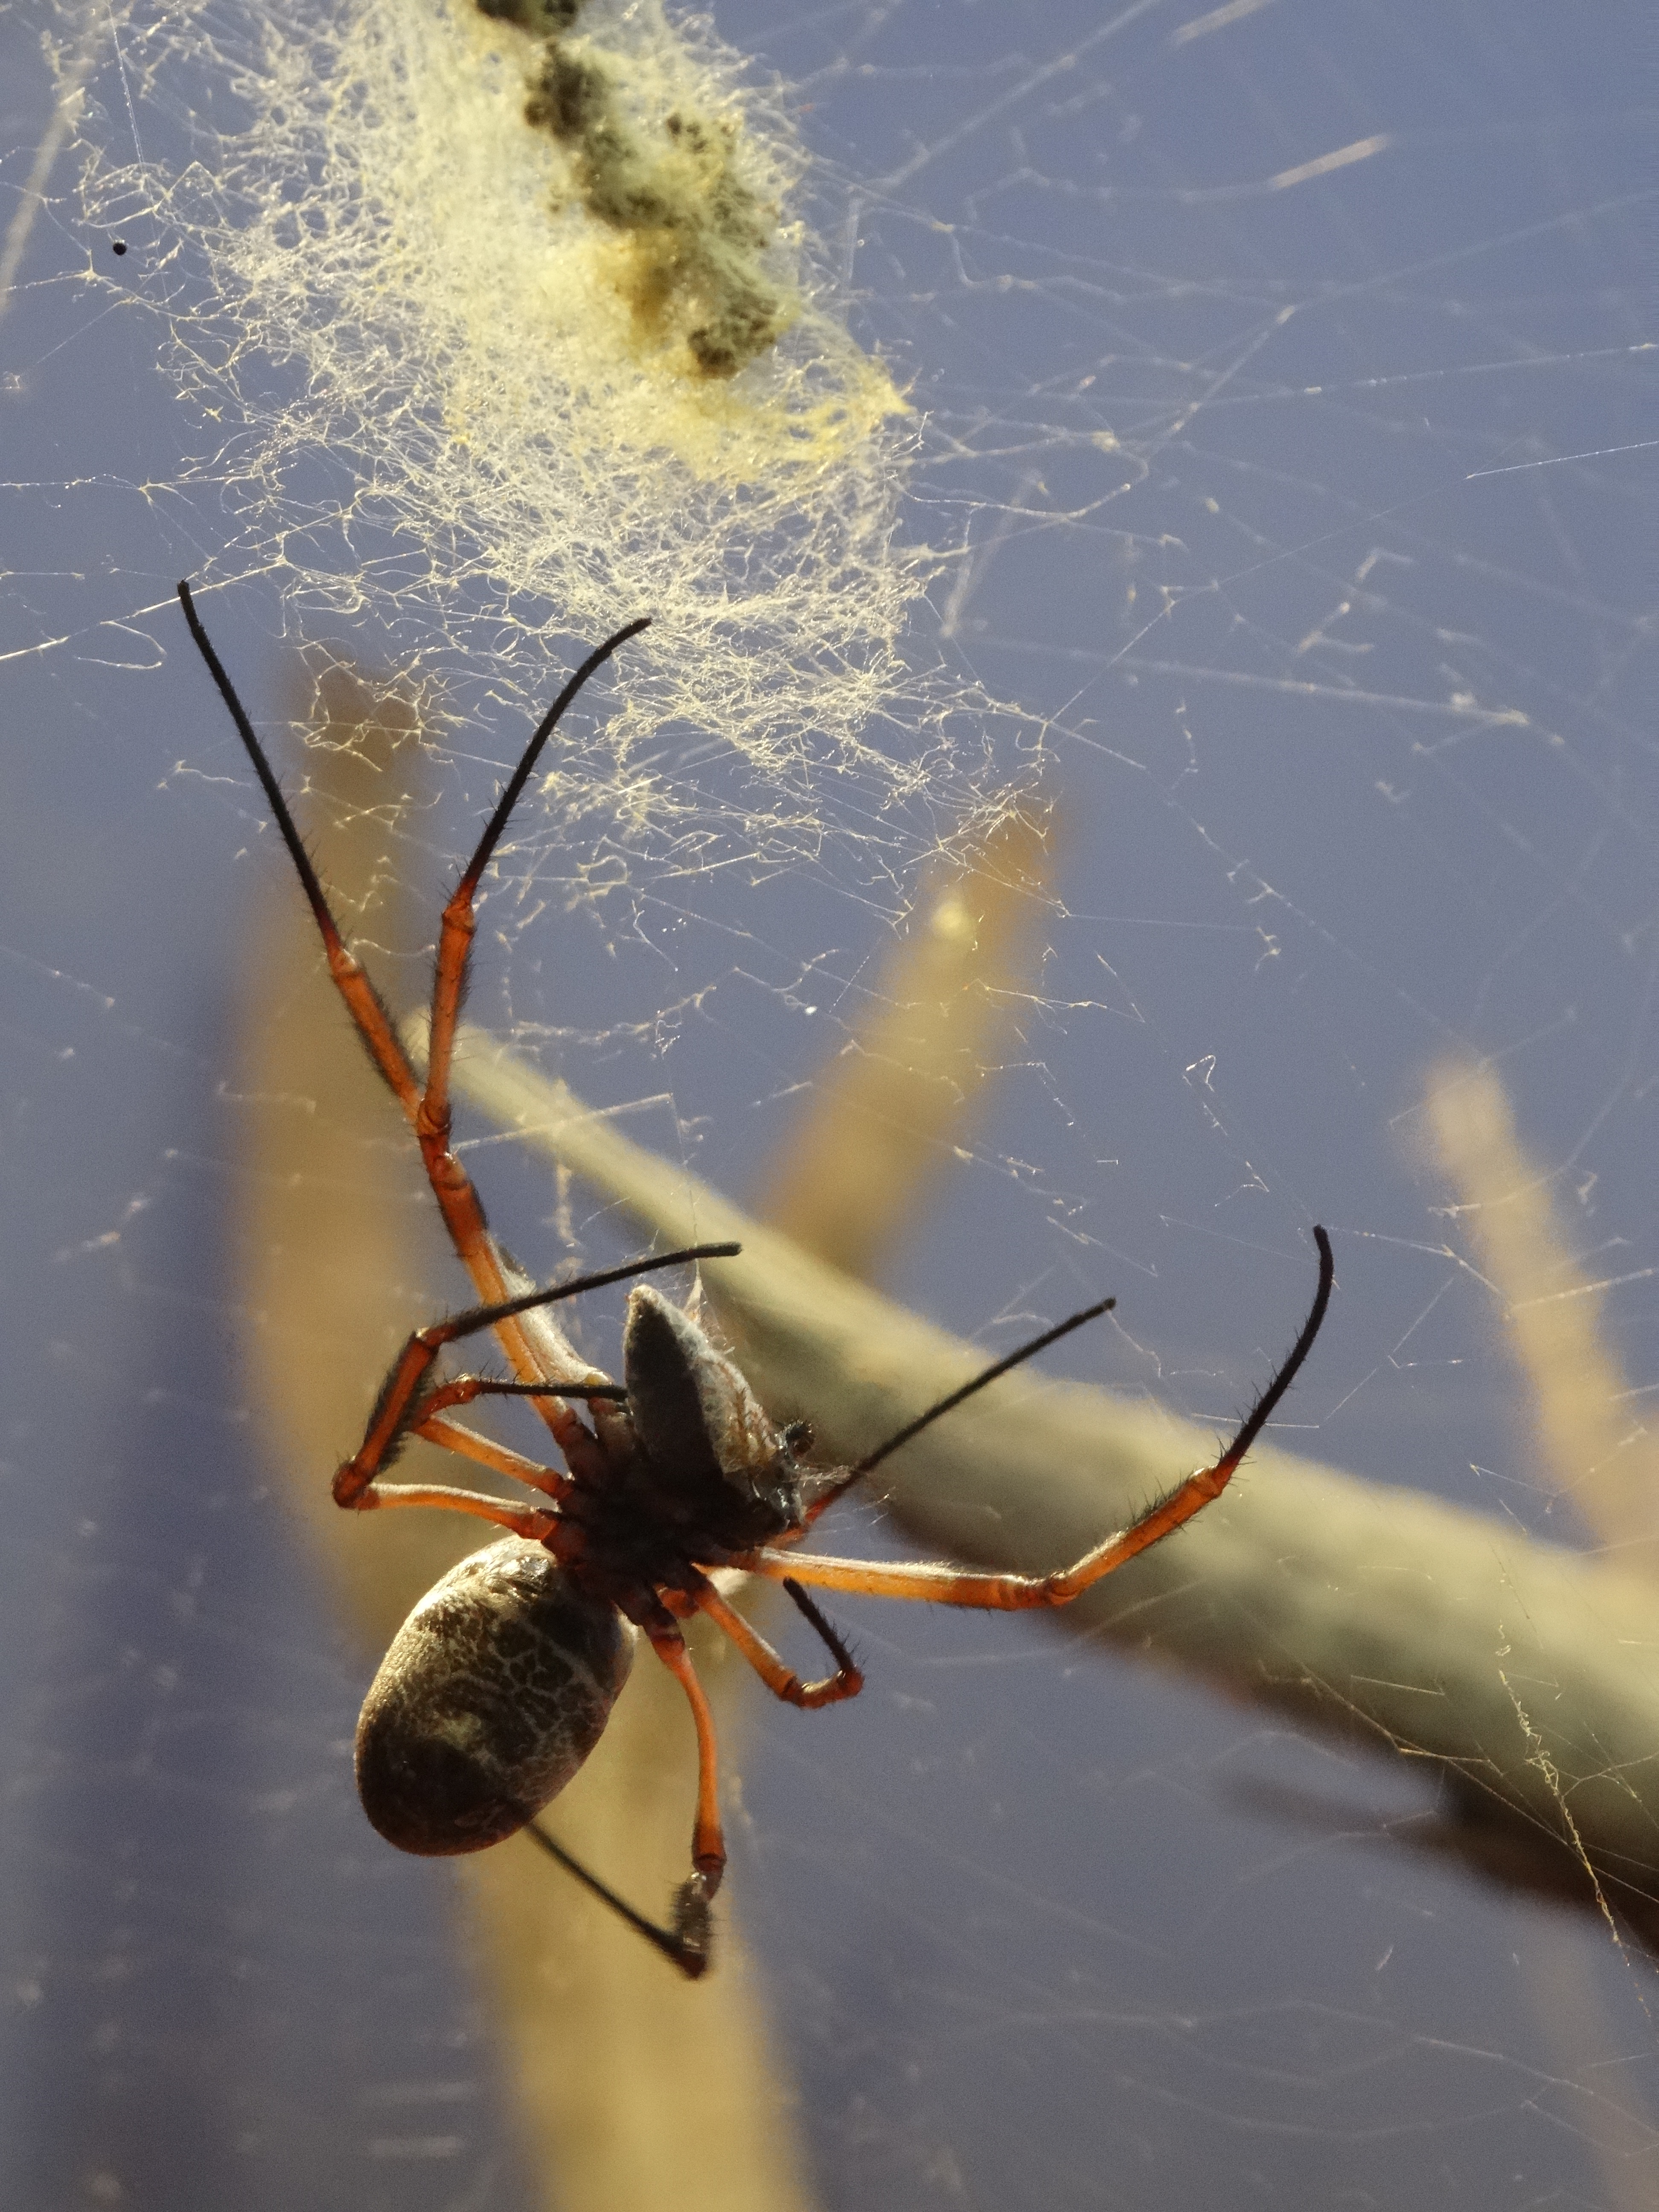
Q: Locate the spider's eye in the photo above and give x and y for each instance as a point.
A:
(799, 1437)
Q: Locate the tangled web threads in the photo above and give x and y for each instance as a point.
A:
(470, 402)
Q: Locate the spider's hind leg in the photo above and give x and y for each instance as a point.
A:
(689, 1940)
(688, 1943)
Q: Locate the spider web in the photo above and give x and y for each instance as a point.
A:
(1275, 501)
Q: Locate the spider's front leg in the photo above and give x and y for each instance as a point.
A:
(455, 936)
(426, 1109)
(939, 1584)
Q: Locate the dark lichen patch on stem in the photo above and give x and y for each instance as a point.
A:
(548, 19)
(694, 234)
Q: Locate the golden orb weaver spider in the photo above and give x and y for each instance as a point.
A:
(500, 1683)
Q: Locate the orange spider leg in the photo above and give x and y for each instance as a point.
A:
(464, 1389)
(942, 1585)
(428, 1117)
(529, 1521)
(460, 917)
(434, 1115)
(462, 1213)
(707, 1841)
(400, 1403)
(782, 1681)
(455, 1436)
(939, 1584)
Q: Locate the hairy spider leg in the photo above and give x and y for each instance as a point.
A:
(686, 1944)
(707, 1839)
(452, 1435)
(939, 1584)
(457, 1200)
(403, 1405)
(825, 1499)
(697, 1893)
(535, 1523)
(460, 916)
(779, 1677)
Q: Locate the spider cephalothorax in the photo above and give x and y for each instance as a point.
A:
(500, 1681)
(707, 1458)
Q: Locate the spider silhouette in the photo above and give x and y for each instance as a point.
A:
(500, 1681)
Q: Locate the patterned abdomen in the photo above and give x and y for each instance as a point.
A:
(496, 1689)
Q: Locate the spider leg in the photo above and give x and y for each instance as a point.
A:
(435, 1114)
(846, 1680)
(403, 1401)
(458, 1202)
(455, 1437)
(462, 1214)
(707, 1841)
(363, 1001)
(941, 1584)
(686, 1942)
(693, 1920)
(462, 1389)
(460, 918)
(530, 1521)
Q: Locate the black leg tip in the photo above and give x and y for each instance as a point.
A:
(694, 1926)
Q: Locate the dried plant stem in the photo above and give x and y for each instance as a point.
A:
(881, 1121)
(1590, 1439)
(1587, 1441)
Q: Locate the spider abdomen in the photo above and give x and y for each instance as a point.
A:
(494, 1692)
